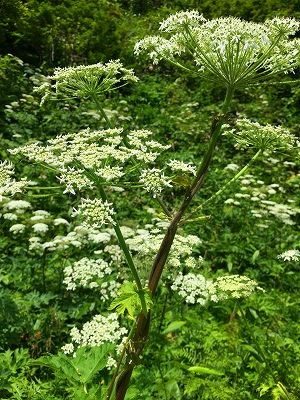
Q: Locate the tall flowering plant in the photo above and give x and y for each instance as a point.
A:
(226, 51)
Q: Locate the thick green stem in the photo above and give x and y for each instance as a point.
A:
(143, 323)
(167, 242)
(123, 353)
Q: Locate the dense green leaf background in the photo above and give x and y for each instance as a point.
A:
(235, 350)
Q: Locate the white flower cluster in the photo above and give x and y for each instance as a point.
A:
(195, 289)
(231, 286)
(290, 255)
(17, 228)
(283, 212)
(18, 206)
(158, 48)
(256, 192)
(40, 227)
(192, 287)
(98, 151)
(177, 165)
(86, 80)
(146, 242)
(94, 213)
(96, 332)
(8, 185)
(91, 273)
(39, 220)
(109, 173)
(267, 137)
(227, 50)
(232, 167)
(154, 181)
(13, 209)
(80, 236)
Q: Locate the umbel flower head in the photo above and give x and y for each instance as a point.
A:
(263, 137)
(105, 153)
(226, 50)
(87, 80)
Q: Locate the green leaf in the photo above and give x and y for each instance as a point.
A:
(90, 360)
(173, 326)
(203, 370)
(79, 369)
(255, 256)
(129, 300)
(61, 365)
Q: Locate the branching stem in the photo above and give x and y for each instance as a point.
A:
(143, 322)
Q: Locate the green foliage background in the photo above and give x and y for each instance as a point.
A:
(238, 350)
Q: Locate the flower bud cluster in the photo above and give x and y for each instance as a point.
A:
(154, 181)
(94, 213)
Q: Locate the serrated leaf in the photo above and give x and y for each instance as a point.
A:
(90, 360)
(79, 369)
(130, 300)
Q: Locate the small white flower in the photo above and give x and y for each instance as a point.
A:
(290, 255)
(111, 363)
(8, 185)
(177, 165)
(40, 227)
(74, 179)
(68, 348)
(60, 221)
(10, 216)
(17, 228)
(17, 205)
